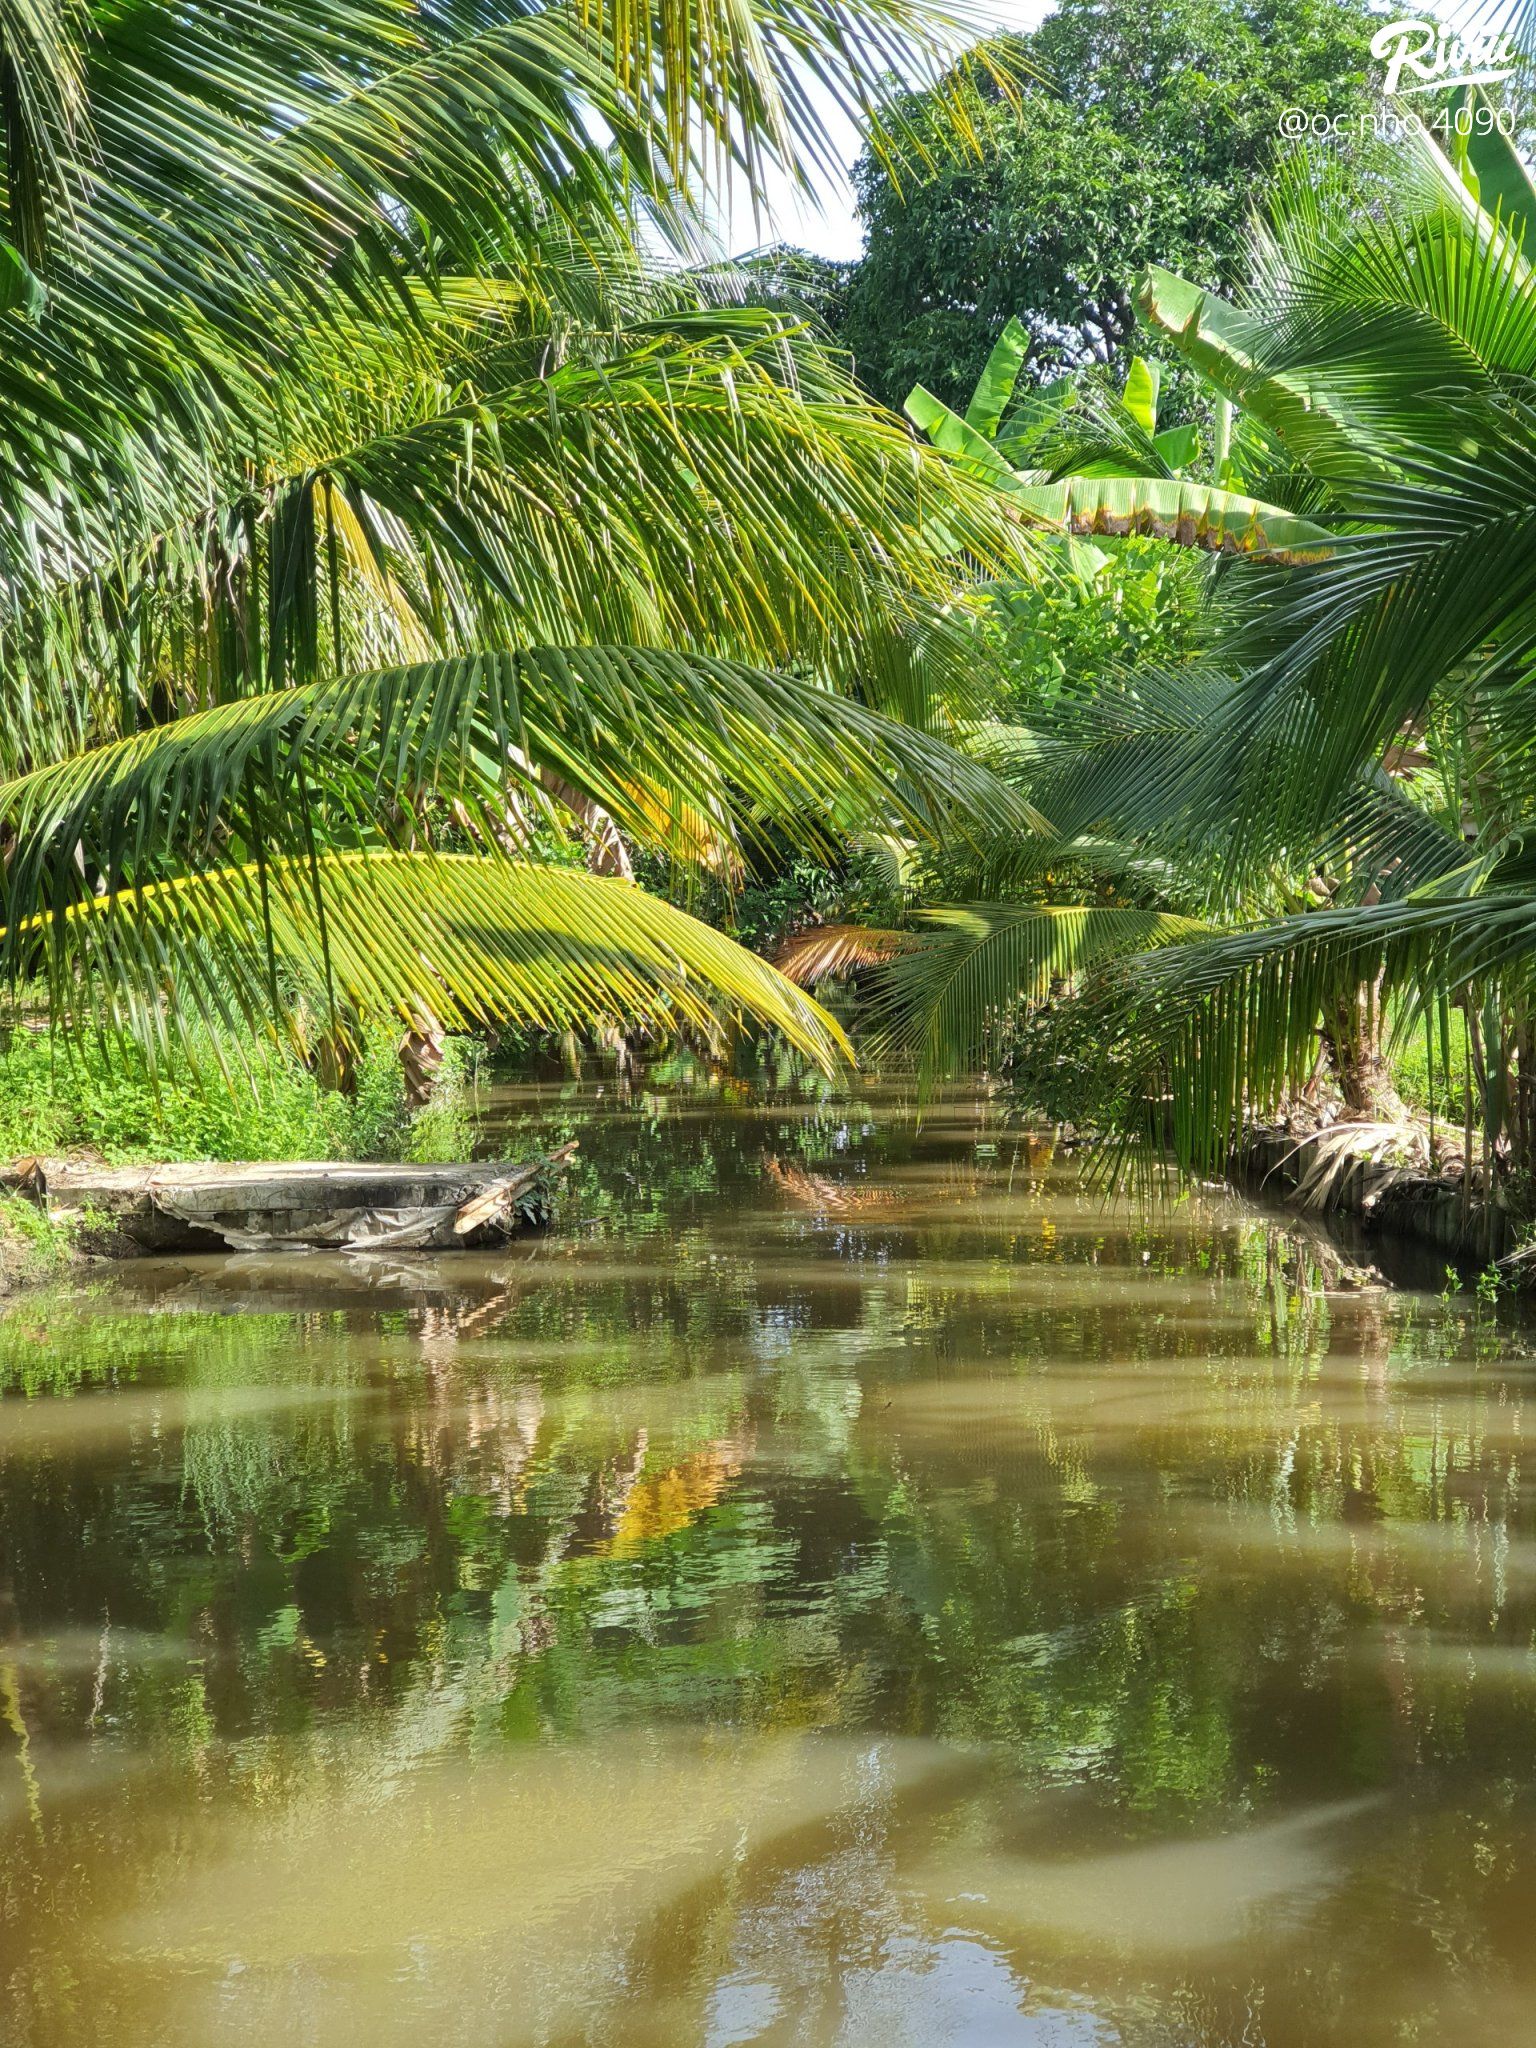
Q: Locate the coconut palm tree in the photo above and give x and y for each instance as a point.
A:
(1389, 351)
(1369, 726)
(385, 483)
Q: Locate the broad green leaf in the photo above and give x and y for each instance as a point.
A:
(1491, 167)
(1226, 345)
(1221, 415)
(956, 436)
(1178, 446)
(1087, 562)
(1192, 515)
(1141, 391)
(995, 386)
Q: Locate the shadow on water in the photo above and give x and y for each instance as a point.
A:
(845, 1585)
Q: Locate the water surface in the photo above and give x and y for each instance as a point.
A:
(847, 1586)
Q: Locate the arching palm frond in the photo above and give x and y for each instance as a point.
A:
(1162, 765)
(655, 739)
(724, 487)
(1442, 592)
(973, 968)
(458, 939)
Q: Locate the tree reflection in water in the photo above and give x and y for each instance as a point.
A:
(846, 1585)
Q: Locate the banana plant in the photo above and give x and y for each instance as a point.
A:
(1106, 469)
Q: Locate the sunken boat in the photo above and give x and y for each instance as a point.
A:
(293, 1205)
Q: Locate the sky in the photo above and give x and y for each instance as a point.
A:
(829, 226)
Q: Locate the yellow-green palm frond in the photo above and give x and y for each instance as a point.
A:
(658, 740)
(462, 939)
(717, 484)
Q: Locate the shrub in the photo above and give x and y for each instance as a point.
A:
(60, 1096)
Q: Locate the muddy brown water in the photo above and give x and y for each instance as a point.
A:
(846, 1586)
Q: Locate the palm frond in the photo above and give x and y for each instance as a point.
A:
(974, 968)
(717, 484)
(44, 118)
(826, 952)
(656, 740)
(352, 937)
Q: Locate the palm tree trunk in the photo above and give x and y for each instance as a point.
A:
(1352, 1041)
(421, 1054)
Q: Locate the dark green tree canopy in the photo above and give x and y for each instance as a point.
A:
(1149, 143)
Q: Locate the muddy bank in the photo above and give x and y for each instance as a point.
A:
(1376, 1197)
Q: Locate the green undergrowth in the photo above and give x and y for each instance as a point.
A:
(1438, 1090)
(33, 1246)
(62, 1097)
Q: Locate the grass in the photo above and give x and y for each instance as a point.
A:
(1439, 1094)
(33, 1246)
(60, 1097)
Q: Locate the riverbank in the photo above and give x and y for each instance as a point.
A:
(1387, 1179)
(34, 1246)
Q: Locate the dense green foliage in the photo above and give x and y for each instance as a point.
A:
(1339, 789)
(1146, 140)
(1139, 603)
(599, 572)
(375, 513)
(57, 1098)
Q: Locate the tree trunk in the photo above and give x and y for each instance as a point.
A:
(606, 852)
(1352, 1040)
(421, 1054)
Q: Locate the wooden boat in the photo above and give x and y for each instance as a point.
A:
(299, 1205)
